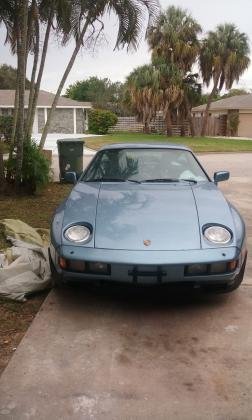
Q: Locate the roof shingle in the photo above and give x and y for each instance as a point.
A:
(45, 99)
(234, 102)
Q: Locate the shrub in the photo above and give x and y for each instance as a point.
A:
(233, 123)
(6, 125)
(35, 168)
(101, 120)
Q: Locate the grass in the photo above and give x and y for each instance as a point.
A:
(36, 211)
(197, 144)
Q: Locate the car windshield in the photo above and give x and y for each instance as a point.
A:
(144, 165)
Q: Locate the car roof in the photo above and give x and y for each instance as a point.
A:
(146, 145)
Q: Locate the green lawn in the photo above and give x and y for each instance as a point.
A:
(197, 144)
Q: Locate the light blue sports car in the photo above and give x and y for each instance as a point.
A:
(148, 214)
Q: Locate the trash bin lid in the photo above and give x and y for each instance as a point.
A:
(70, 140)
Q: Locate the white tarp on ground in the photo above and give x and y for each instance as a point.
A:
(24, 268)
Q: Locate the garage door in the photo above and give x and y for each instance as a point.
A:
(245, 125)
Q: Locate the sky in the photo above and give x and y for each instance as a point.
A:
(116, 65)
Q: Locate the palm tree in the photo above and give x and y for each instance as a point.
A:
(78, 18)
(57, 16)
(21, 75)
(223, 59)
(152, 88)
(142, 89)
(33, 41)
(174, 38)
(87, 14)
(17, 16)
(192, 97)
(8, 17)
(171, 89)
(5, 19)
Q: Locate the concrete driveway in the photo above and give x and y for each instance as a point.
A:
(123, 354)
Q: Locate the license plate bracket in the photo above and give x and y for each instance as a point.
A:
(135, 273)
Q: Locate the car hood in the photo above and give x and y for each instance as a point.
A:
(147, 216)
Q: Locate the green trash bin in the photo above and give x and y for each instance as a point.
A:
(70, 157)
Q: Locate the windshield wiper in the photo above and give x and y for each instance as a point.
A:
(189, 180)
(161, 180)
(113, 180)
(170, 180)
(133, 180)
(139, 182)
(105, 180)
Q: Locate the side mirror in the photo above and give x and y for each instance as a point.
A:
(70, 177)
(221, 176)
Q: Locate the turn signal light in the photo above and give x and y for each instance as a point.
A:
(232, 265)
(79, 266)
(214, 268)
(62, 263)
(72, 265)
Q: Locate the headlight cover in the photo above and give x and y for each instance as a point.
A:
(77, 233)
(217, 234)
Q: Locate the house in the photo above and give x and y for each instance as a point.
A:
(70, 117)
(221, 112)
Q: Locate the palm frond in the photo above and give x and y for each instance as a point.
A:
(224, 55)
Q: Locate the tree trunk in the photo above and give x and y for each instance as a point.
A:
(62, 82)
(205, 119)
(15, 114)
(189, 115)
(29, 33)
(2, 175)
(13, 134)
(29, 123)
(21, 53)
(168, 123)
(182, 129)
(40, 74)
(191, 123)
(182, 125)
(146, 129)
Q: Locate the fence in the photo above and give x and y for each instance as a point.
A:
(216, 126)
(157, 125)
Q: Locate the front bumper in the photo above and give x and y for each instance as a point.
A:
(147, 267)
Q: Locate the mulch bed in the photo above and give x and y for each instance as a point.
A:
(37, 211)
(15, 318)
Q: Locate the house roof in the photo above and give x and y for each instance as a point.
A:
(234, 102)
(45, 99)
